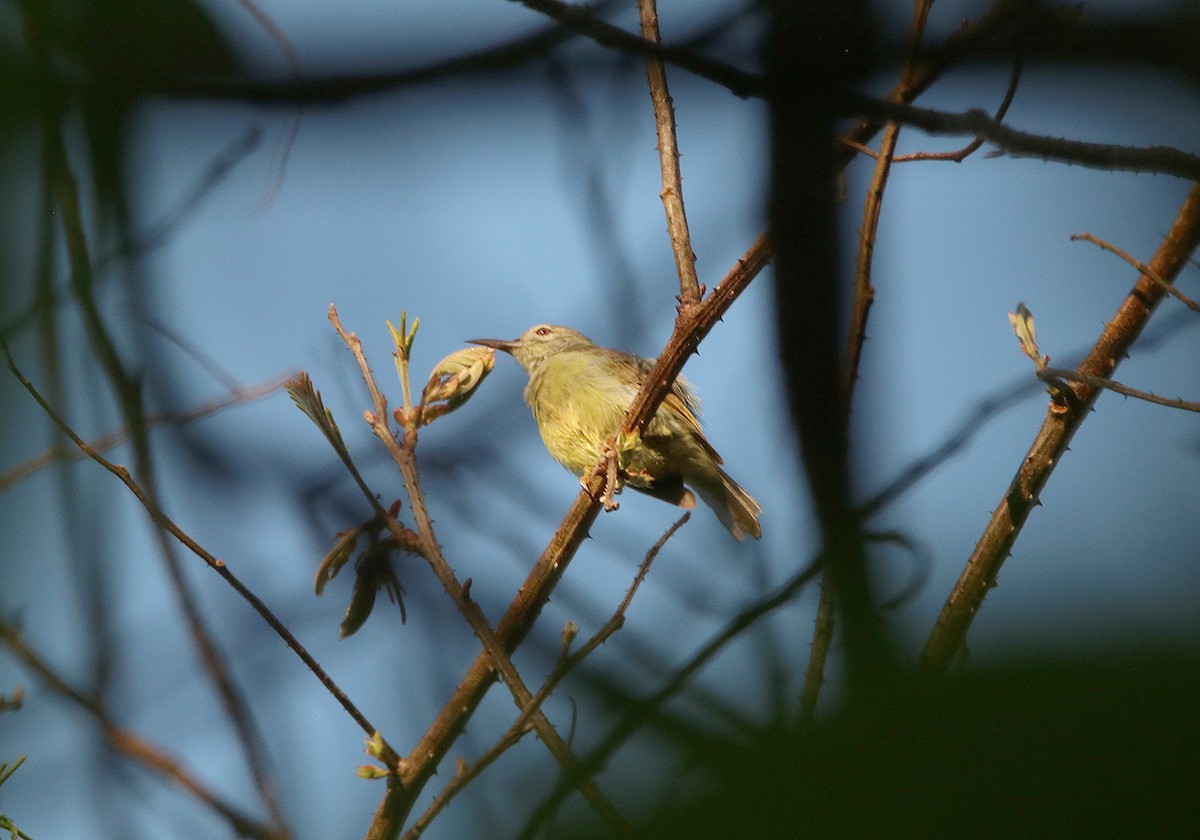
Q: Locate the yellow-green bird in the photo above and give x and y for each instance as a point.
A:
(579, 393)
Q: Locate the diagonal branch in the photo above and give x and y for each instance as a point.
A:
(518, 619)
(500, 662)
(566, 663)
(1048, 447)
(164, 522)
(1164, 160)
(1054, 376)
(1140, 266)
(135, 747)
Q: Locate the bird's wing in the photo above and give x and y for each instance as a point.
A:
(683, 402)
(677, 403)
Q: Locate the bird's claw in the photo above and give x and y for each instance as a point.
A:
(612, 482)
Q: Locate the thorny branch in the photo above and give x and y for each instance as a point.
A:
(948, 638)
(567, 662)
(397, 802)
(521, 614)
(668, 155)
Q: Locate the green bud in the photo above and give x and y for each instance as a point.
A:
(370, 771)
(455, 378)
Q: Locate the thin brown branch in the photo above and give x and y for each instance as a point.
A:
(1164, 160)
(241, 395)
(668, 155)
(822, 638)
(864, 296)
(1140, 266)
(521, 725)
(864, 292)
(134, 746)
(404, 454)
(521, 614)
(638, 712)
(1059, 374)
(949, 634)
(167, 524)
(966, 151)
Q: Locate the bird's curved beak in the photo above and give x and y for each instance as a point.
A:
(496, 343)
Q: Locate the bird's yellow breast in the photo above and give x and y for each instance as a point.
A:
(577, 403)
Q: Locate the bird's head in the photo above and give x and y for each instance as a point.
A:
(538, 343)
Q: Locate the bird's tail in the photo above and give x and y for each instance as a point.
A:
(736, 508)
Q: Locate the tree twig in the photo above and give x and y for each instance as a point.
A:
(566, 663)
(1164, 160)
(959, 155)
(982, 568)
(668, 156)
(134, 746)
(1051, 374)
(1169, 288)
(166, 523)
(384, 824)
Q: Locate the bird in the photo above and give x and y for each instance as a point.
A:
(579, 393)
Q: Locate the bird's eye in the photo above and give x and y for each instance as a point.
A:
(543, 331)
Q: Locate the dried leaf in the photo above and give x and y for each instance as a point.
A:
(332, 563)
(308, 400)
(1023, 326)
(373, 572)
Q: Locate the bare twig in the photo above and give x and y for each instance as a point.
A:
(1140, 266)
(1048, 447)
(966, 151)
(167, 524)
(822, 638)
(566, 663)
(668, 155)
(108, 441)
(864, 292)
(134, 746)
(1164, 160)
(1059, 374)
(384, 824)
(638, 712)
(521, 614)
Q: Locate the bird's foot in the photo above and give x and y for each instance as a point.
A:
(612, 478)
